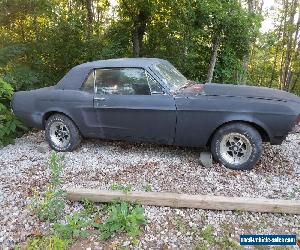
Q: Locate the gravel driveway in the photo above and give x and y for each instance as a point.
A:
(100, 164)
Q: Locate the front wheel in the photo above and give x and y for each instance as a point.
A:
(237, 146)
(61, 133)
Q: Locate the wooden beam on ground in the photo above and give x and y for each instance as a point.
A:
(188, 201)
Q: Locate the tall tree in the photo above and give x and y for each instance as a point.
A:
(213, 59)
(254, 8)
(138, 13)
(90, 16)
(290, 46)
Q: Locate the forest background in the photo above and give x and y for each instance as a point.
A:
(252, 42)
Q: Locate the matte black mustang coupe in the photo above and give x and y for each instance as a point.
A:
(149, 100)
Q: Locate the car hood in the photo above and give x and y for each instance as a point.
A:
(230, 90)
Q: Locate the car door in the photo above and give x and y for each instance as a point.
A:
(130, 104)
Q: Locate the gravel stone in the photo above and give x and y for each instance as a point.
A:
(99, 164)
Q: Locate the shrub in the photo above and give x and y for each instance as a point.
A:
(10, 126)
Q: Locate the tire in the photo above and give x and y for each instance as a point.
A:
(61, 133)
(237, 146)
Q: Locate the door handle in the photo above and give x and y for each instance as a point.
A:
(99, 98)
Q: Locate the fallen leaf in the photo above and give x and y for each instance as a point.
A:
(113, 246)
(234, 174)
(98, 220)
(36, 234)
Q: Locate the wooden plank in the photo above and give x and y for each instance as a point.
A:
(188, 201)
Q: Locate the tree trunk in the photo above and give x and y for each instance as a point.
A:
(276, 56)
(289, 49)
(212, 64)
(284, 24)
(90, 16)
(139, 28)
(254, 6)
(136, 44)
(293, 84)
(294, 57)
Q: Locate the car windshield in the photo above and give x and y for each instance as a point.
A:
(170, 76)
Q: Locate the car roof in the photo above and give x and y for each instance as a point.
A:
(122, 62)
(77, 75)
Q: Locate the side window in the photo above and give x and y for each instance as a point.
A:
(88, 85)
(155, 86)
(122, 81)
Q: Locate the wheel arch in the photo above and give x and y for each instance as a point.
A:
(259, 127)
(47, 115)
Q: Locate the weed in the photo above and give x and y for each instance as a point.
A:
(238, 212)
(89, 208)
(181, 225)
(225, 242)
(56, 168)
(123, 217)
(74, 228)
(47, 243)
(51, 205)
(147, 188)
(294, 192)
(209, 240)
(125, 188)
(207, 234)
(200, 246)
(135, 242)
(228, 243)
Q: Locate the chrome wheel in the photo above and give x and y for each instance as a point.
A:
(59, 134)
(235, 148)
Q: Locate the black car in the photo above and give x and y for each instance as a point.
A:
(147, 99)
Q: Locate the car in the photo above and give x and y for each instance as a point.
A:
(149, 100)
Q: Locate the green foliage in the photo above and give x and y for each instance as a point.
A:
(123, 217)
(147, 188)
(75, 227)
(47, 243)
(120, 187)
(295, 191)
(207, 234)
(209, 240)
(89, 208)
(10, 127)
(56, 168)
(41, 40)
(50, 206)
(226, 242)
(181, 225)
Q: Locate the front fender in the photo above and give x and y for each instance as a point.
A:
(248, 119)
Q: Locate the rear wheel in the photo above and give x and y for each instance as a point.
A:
(237, 146)
(61, 133)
